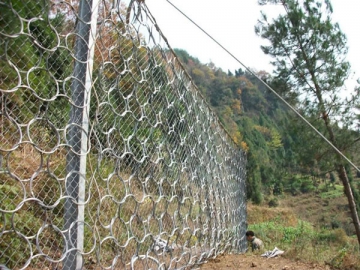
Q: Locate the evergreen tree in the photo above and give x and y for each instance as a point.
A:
(309, 51)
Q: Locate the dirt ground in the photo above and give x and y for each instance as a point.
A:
(256, 262)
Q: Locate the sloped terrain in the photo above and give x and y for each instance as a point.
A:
(327, 210)
(326, 213)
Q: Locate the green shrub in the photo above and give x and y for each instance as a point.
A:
(274, 202)
(307, 186)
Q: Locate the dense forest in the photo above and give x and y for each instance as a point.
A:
(284, 154)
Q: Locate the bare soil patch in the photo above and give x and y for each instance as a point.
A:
(256, 262)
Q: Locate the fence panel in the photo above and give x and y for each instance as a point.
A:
(109, 156)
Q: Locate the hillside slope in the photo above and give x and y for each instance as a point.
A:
(327, 210)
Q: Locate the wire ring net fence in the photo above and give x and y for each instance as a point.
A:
(109, 156)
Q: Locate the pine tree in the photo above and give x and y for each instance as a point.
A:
(309, 52)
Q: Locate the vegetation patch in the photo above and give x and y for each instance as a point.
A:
(301, 240)
(335, 192)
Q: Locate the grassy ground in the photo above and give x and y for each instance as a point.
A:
(314, 227)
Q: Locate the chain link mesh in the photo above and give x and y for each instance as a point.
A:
(109, 156)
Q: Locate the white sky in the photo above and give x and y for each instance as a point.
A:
(231, 23)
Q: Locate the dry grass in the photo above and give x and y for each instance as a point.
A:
(310, 228)
(259, 214)
(321, 212)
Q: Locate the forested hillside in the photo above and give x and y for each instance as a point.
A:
(284, 154)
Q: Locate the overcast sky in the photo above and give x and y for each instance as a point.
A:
(231, 23)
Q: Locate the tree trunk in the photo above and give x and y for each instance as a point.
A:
(343, 177)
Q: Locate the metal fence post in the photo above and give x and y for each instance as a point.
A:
(78, 132)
